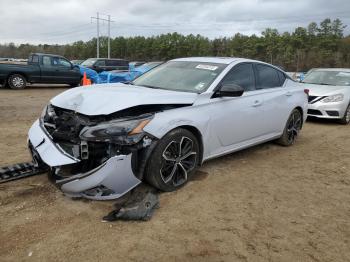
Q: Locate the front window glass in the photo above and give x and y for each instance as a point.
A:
(241, 75)
(184, 76)
(324, 77)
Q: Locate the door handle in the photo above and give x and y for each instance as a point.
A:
(257, 103)
(289, 93)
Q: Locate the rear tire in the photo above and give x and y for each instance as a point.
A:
(17, 82)
(346, 119)
(173, 161)
(292, 129)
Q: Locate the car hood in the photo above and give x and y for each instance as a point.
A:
(324, 90)
(109, 98)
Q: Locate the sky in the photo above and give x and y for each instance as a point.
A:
(66, 21)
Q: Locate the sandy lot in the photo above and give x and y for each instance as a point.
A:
(267, 203)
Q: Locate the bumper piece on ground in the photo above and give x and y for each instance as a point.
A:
(110, 180)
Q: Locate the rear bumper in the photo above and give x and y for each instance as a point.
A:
(110, 180)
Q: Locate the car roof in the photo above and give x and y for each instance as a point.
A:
(101, 58)
(332, 69)
(219, 60)
(44, 54)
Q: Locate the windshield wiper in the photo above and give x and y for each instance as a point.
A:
(322, 84)
(128, 83)
(149, 86)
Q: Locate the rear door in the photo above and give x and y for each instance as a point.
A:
(271, 83)
(48, 71)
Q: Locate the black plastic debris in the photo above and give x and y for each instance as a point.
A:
(140, 205)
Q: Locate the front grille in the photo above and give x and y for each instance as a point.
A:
(312, 98)
(314, 112)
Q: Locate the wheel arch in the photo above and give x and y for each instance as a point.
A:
(17, 73)
(299, 108)
(195, 131)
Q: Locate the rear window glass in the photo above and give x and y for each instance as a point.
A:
(268, 77)
(282, 77)
(34, 59)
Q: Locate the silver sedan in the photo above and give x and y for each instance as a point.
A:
(329, 93)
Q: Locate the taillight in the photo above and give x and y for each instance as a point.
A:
(306, 91)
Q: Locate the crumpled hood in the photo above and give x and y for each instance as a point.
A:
(324, 90)
(105, 99)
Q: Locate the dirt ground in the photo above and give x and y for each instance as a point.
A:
(267, 203)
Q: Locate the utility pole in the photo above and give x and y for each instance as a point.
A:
(98, 34)
(109, 36)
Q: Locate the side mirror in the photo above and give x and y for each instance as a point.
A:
(229, 90)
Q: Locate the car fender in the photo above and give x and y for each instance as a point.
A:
(164, 122)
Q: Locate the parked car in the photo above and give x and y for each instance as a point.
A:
(126, 76)
(40, 68)
(104, 64)
(101, 141)
(329, 93)
(77, 62)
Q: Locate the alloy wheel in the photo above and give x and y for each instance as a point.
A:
(178, 159)
(294, 126)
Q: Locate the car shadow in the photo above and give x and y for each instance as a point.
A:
(40, 86)
(323, 121)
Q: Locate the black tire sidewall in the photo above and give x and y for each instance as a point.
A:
(283, 140)
(152, 175)
(343, 120)
(14, 87)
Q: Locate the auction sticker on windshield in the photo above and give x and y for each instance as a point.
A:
(207, 67)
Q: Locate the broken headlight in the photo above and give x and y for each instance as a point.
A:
(124, 131)
(47, 113)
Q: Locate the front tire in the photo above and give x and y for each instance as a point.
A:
(292, 129)
(17, 82)
(173, 161)
(346, 119)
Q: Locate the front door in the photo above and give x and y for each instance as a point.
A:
(65, 72)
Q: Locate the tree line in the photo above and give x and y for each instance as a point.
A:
(317, 45)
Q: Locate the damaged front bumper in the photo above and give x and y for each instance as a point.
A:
(110, 180)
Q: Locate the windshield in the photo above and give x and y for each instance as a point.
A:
(89, 62)
(324, 77)
(193, 77)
